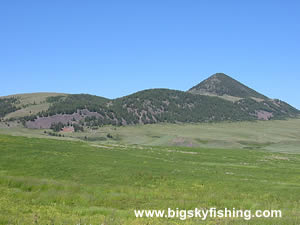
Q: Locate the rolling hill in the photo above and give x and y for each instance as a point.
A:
(218, 98)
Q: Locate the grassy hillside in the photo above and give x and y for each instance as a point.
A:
(46, 181)
(29, 104)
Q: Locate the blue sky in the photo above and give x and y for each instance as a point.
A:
(114, 48)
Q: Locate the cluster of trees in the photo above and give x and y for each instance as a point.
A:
(7, 105)
(93, 121)
(77, 127)
(54, 134)
(279, 108)
(52, 99)
(72, 103)
(56, 127)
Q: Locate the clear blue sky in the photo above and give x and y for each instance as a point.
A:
(114, 48)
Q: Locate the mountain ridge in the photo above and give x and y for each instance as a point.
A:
(218, 98)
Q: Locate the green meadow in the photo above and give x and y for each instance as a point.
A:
(60, 181)
(274, 135)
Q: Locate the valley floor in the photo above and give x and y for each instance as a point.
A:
(275, 135)
(48, 181)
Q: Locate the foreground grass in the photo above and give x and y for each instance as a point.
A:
(45, 181)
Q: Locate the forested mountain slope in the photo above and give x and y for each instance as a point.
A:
(218, 98)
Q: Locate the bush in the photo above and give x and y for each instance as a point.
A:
(56, 127)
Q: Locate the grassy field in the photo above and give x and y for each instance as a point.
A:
(275, 135)
(48, 181)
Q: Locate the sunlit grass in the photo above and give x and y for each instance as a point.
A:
(45, 181)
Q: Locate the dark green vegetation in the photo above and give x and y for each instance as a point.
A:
(72, 103)
(276, 107)
(219, 98)
(7, 106)
(57, 126)
(150, 106)
(164, 105)
(45, 181)
(52, 99)
(221, 84)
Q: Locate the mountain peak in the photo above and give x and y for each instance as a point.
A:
(220, 75)
(221, 84)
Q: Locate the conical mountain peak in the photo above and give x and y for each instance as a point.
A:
(221, 84)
